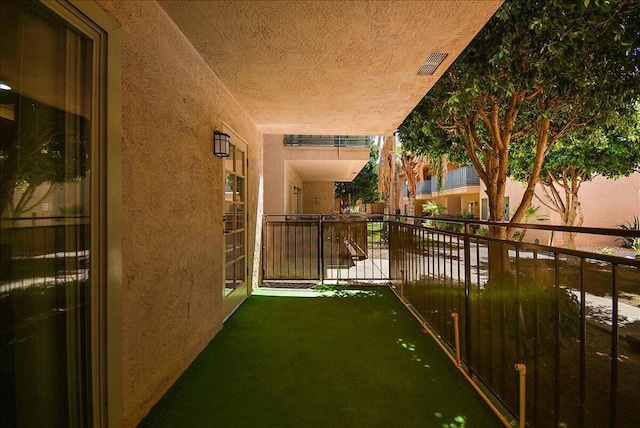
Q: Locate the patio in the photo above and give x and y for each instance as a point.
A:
(329, 357)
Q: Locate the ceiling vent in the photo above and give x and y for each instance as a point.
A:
(432, 62)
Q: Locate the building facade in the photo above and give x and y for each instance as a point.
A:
(605, 203)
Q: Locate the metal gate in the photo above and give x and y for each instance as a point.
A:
(332, 248)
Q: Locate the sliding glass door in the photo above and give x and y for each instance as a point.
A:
(47, 224)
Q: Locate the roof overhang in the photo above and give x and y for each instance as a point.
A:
(326, 170)
(328, 67)
(326, 163)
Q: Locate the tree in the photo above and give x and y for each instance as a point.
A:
(537, 72)
(42, 145)
(413, 168)
(388, 174)
(365, 185)
(579, 158)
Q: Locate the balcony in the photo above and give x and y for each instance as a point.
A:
(323, 358)
(356, 357)
(457, 179)
(314, 158)
(559, 313)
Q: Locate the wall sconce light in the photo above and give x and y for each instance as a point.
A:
(317, 200)
(296, 190)
(220, 144)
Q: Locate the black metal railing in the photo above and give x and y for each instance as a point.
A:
(325, 247)
(328, 140)
(571, 317)
(455, 179)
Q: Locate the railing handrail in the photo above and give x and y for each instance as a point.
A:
(633, 233)
(422, 259)
(556, 228)
(455, 179)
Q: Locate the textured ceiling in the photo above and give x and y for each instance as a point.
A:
(327, 67)
(327, 170)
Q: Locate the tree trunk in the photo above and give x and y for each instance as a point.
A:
(569, 219)
(534, 178)
(569, 206)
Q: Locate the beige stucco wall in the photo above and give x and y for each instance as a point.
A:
(605, 203)
(317, 197)
(291, 180)
(274, 175)
(467, 199)
(172, 202)
(286, 167)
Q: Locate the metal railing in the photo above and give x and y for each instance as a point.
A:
(551, 333)
(569, 319)
(42, 251)
(328, 140)
(324, 247)
(461, 177)
(424, 187)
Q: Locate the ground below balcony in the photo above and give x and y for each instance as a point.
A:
(333, 357)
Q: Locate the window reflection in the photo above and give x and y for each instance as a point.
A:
(239, 189)
(240, 217)
(229, 187)
(45, 220)
(234, 220)
(230, 248)
(228, 217)
(239, 162)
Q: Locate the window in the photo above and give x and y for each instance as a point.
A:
(484, 215)
(234, 220)
(507, 212)
(48, 223)
(485, 209)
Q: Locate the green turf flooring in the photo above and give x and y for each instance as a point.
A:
(346, 359)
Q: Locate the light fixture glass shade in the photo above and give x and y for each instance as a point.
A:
(221, 144)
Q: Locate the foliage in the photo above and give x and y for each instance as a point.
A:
(43, 145)
(627, 242)
(466, 214)
(432, 208)
(536, 73)
(532, 211)
(73, 210)
(365, 185)
(611, 151)
(483, 231)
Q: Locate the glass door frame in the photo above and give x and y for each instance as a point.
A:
(235, 298)
(92, 21)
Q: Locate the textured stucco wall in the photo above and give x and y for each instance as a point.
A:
(274, 180)
(605, 203)
(323, 191)
(291, 179)
(172, 201)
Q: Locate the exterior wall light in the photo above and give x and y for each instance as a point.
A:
(220, 144)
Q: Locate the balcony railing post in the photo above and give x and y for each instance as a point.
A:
(467, 289)
(456, 330)
(522, 370)
(320, 249)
